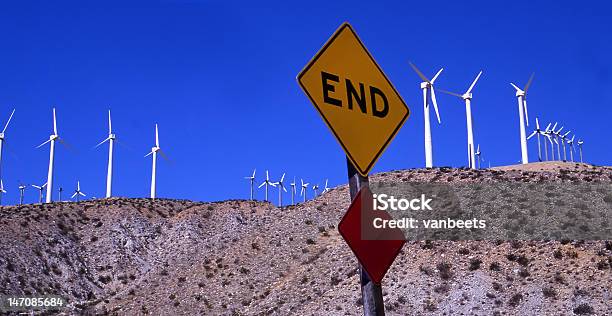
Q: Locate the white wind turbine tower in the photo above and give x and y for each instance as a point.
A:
(293, 191)
(267, 183)
(77, 192)
(2, 139)
(537, 132)
(467, 97)
(281, 187)
(557, 138)
(326, 188)
(251, 181)
(427, 85)
(154, 151)
(523, 116)
(563, 140)
(2, 190)
(571, 147)
(54, 137)
(40, 189)
(304, 190)
(22, 188)
(580, 142)
(109, 172)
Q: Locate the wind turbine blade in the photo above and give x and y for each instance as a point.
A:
(436, 76)
(548, 127)
(78, 186)
(537, 124)
(435, 104)
(9, 120)
(54, 123)
(273, 184)
(148, 154)
(554, 126)
(267, 176)
(82, 194)
(43, 143)
(253, 176)
(75, 194)
(421, 75)
(66, 144)
(474, 83)
(261, 185)
(478, 148)
(566, 134)
(549, 139)
(534, 132)
(515, 87)
(163, 155)
(284, 188)
(282, 178)
(450, 93)
(102, 142)
(529, 82)
(156, 136)
(556, 141)
(110, 125)
(525, 108)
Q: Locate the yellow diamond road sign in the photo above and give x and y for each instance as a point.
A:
(355, 98)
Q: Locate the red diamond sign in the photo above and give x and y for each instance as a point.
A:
(375, 254)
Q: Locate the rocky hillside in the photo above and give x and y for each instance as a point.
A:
(170, 257)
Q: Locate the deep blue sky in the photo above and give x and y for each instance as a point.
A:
(219, 78)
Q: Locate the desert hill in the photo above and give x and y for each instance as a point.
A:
(171, 257)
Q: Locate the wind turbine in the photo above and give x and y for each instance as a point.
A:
(77, 192)
(154, 150)
(557, 135)
(571, 147)
(281, 187)
(22, 188)
(315, 188)
(548, 133)
(60, 193)
(266, 183)
(2, 190)
(111, 140)
(52, 139)
(251, 180)
(326, 188)
(427, 85)
(293, 191)
(467, 97)
(580, 142)
(304, 190)
(563, 138)
(40, 188)
(477, 154)
(2, 139)
(537, 131)
(523, 116)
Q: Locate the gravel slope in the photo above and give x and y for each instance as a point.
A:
(170, 257)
